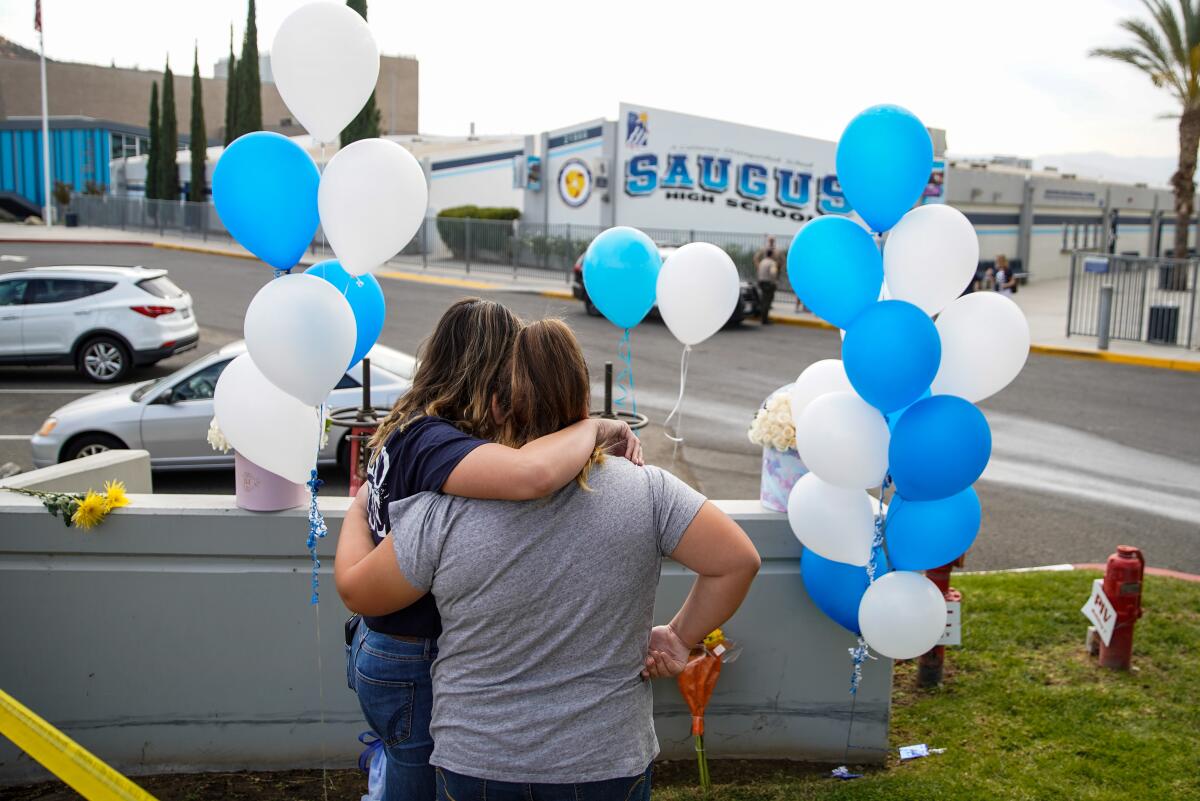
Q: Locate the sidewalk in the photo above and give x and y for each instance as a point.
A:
(1044, 302)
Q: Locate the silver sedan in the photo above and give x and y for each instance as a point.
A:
(170, 416)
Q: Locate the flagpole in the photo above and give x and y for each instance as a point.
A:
(46, 166)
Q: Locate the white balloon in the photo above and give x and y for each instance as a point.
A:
(985, 342)
(819, 378)
(902, 615)
(301, 333)
(698, 289)
(930, 257)
(325, 64)
(372, 199)
(831, 521)
(844, 440)
(265, 424)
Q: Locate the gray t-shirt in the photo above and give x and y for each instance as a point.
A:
(546, 614)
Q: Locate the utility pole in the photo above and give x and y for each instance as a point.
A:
(46, 165)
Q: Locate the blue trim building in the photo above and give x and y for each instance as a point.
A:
(80, 151)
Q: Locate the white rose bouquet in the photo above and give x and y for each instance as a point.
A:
(773, 426)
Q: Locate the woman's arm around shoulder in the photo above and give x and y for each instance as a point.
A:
(541, 467)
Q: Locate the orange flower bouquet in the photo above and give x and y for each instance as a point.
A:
(696, 684)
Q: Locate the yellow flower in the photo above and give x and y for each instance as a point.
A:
(114, 495)
(90, 511)
(714, 638)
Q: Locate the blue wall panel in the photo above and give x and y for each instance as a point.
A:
(78, 155)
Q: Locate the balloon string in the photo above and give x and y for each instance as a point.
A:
(319, 224)
(624, 379)
(678, 410)
(316, 521)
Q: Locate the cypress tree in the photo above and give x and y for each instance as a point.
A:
(197, 190)
(152, 157)
(249, 95)
(168, 130)
(231, 94)
(365, 124)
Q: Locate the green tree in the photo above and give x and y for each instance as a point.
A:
(365, 124)
(249, 88)
(152, 156)
(197, 190)
(168, 133)
(1166, 48)
(231, 94)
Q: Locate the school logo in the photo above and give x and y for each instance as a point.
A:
(636, 132)
(575, 183)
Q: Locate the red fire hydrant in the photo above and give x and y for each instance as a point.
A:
(932, 662)
(1123, 587)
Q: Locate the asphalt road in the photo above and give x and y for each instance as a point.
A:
(1086, 455)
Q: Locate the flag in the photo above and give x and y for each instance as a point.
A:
(37, 16)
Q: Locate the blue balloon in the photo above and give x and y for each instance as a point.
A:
(884, 160)
(836, 587)
(365, 297)
(265, 189)
(891, 354)
(939, 448)
(835, 267)
(620, 273)
(923, 535)
(894, 417)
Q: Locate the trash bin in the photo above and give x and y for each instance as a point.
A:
(72, 219)
(1164, 325)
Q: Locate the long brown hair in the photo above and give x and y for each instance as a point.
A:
(463, 363)
(548, 388)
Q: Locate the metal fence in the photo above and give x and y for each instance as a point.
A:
(516, 248)
(1153, 299)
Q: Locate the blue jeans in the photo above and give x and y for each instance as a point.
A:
(453, 786)
(392, 681)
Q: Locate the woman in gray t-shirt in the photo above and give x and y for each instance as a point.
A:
(547, 605)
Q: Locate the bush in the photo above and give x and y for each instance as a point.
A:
(62, 192)
(491, 238)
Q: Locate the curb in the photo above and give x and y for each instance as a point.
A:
(439, 280)
(125, 242)
(803, 322)
(202, 249)
(1150, 571)
(1182, 365)
(557, 294)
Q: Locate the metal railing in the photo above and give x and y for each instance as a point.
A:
(504, 247)
(1152, 299)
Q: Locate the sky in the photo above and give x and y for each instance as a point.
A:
(1011, 78)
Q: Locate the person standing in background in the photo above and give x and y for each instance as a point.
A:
(1006, 282)
(768, 279)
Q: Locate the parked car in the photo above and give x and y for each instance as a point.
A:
(103, 320)
(170, 416)
(749, 304)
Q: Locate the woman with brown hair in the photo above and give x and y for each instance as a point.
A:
(547, 606)
(440, 437)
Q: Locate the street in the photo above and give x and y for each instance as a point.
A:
(1086, 455)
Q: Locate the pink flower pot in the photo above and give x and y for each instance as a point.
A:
(260, 490)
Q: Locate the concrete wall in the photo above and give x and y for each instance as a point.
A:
(131, 467)
(179, 635)
(123, 95)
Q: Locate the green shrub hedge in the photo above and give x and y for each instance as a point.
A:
(491, 238)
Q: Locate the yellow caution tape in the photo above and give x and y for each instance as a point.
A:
(64, 757)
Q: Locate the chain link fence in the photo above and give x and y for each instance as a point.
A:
(1153, 299)
(515, 248)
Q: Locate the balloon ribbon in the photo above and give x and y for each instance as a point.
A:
(678, 410)
(624, 379)
(316, 521)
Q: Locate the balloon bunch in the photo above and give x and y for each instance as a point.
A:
(898, 409)
(304, 331)
(696, 289)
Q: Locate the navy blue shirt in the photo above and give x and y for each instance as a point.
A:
(418, 458)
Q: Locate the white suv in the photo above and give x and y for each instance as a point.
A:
(103, 320)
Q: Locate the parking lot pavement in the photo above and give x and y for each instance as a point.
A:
(1086, 454)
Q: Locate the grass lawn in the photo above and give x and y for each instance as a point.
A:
(1024, 714)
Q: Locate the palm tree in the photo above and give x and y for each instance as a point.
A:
(1167, 48)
